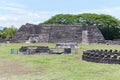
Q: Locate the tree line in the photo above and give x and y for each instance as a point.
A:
(7, 33)
(108, 25)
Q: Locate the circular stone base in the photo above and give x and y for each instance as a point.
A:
(102, 56)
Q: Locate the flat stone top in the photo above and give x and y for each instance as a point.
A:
(34, 47)
(66, 45)
(51, 25)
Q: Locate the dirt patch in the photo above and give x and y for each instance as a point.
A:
(79, 58)
(100, 73)
(10, 67)
(65, 61)
(96, 72)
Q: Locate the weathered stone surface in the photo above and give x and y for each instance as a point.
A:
(58, 33)
(34, 49)
(102, 56)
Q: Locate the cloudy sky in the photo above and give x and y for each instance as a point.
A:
(19, 12)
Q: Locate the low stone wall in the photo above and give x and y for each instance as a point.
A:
(4, 41)
(34, 49)
(112, 42)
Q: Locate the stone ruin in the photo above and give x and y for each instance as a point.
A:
(102, 56)
(61, 48)
(30, 33)
(68, 47)
(28, 50)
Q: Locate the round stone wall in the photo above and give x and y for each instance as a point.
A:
(102, 56)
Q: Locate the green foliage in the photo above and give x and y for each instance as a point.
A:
(109, 25)
(61, 19)
(2, 36)
(7, 33)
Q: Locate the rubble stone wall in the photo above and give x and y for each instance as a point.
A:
(57, 34)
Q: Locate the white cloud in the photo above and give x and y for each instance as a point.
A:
(19, 19)
(114, 11)
(16, 14)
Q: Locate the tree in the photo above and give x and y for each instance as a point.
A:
(61, 19)
(7, 33)
(108, 25)
(2, 36)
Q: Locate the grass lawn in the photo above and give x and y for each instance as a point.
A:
(55, 67)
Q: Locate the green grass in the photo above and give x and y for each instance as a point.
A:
(58, 67)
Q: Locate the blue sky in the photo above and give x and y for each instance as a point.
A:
(19, 12)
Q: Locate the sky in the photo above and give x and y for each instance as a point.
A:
(19, 12)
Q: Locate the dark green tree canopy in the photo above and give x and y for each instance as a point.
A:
(109, 25)
(61, 19)
(7, 33)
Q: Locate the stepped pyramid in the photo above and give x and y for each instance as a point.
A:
(58, 34)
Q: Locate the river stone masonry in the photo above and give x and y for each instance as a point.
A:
(31, 33)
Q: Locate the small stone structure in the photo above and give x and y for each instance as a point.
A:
(112, 42)
(68, 47)
(31, 33)
(61, 48)
(102, 56)
(34, 49)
